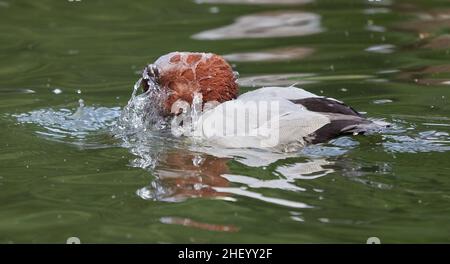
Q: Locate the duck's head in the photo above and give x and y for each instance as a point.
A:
(181, 74)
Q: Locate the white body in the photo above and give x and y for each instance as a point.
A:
(284, 127)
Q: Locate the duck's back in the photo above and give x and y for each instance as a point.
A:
(264, 118)
(284, 118)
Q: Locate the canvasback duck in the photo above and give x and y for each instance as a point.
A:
(292, 116)
(182, 74)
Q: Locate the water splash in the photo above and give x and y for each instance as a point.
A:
(427, 141)
(186, 122)
(71, 125)
(410, 137)
(142, 128)
(143, 111)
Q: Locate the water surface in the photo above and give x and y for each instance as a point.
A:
(64, 171)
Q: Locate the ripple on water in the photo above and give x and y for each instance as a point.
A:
(405, 137)
(281, 54)
(289, 79)
(17, 91)
(437, 142)
(382, 101)
(267, 25)
(258, 196)
(275, 80)
(383, 49)
(199, 225)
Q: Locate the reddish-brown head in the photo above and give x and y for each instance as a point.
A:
(181, 74)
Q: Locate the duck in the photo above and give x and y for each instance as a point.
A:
(282, 118)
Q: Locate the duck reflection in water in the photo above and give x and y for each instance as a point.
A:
(182, 174)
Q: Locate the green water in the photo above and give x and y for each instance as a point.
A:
(59, 179)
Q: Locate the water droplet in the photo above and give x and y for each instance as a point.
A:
(57, 91)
